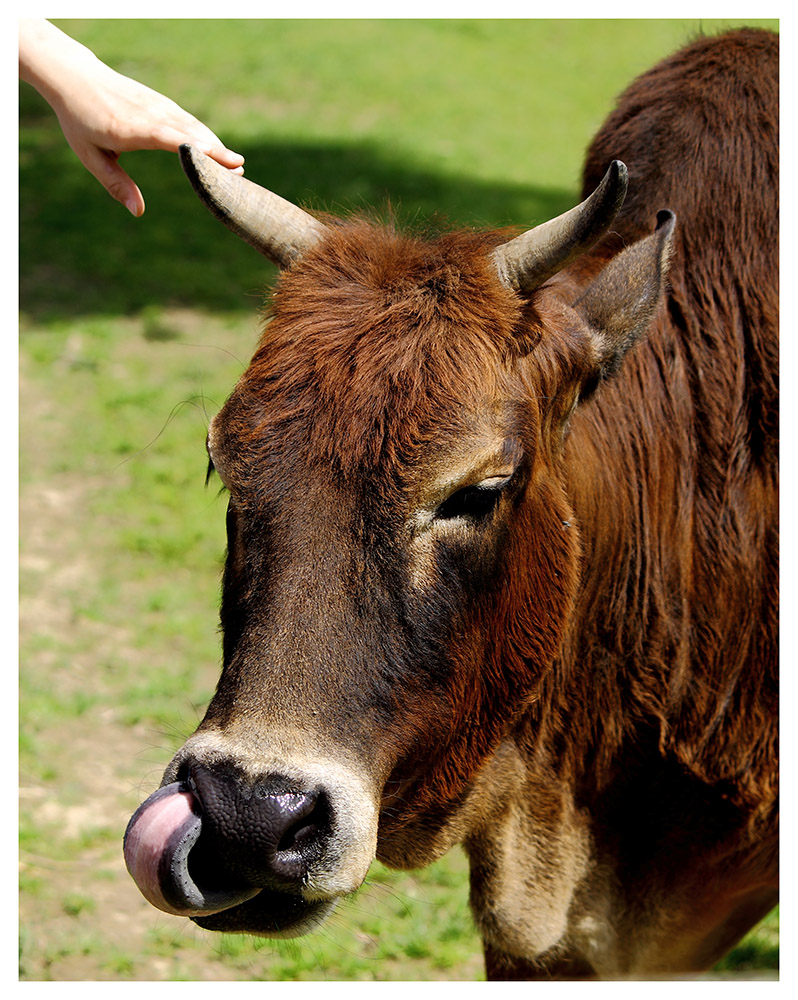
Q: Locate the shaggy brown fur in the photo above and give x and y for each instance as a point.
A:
(689, 594)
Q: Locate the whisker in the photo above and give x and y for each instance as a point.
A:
(173, 413)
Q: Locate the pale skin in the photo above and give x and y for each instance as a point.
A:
(103, 113)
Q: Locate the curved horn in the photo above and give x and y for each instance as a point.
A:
(277, 228)
(531, 258)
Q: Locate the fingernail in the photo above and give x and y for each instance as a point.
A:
(132, 206)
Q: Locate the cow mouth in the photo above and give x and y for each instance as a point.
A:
(164, 855)
(269, 914)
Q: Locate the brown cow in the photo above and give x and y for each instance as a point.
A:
(502, 558)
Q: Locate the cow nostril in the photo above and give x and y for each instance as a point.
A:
(305, 832)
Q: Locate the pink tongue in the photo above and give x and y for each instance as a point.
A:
(158, 840)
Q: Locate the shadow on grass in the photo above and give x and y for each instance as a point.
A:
(750, 956)
(83, 254)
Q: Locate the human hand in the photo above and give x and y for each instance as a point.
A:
(103, 113)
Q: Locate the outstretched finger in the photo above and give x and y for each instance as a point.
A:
(171, 138)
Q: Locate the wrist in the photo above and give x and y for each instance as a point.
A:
(49, 59)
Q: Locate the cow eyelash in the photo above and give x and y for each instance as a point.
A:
(472, 502)
(209, 475)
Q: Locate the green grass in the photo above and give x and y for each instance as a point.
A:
(132, 334)
(758, 950)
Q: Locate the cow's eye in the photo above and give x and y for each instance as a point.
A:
(473, 502)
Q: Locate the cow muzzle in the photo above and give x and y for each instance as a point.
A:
(263, 855)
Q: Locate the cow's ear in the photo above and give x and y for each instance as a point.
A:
(620, 303)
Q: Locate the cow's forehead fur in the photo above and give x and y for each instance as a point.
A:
(376, 342)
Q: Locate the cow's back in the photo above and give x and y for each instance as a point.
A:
(699, 133)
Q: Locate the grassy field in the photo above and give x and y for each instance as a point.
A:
(132, 334)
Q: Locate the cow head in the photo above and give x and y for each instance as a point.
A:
(402, 557)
